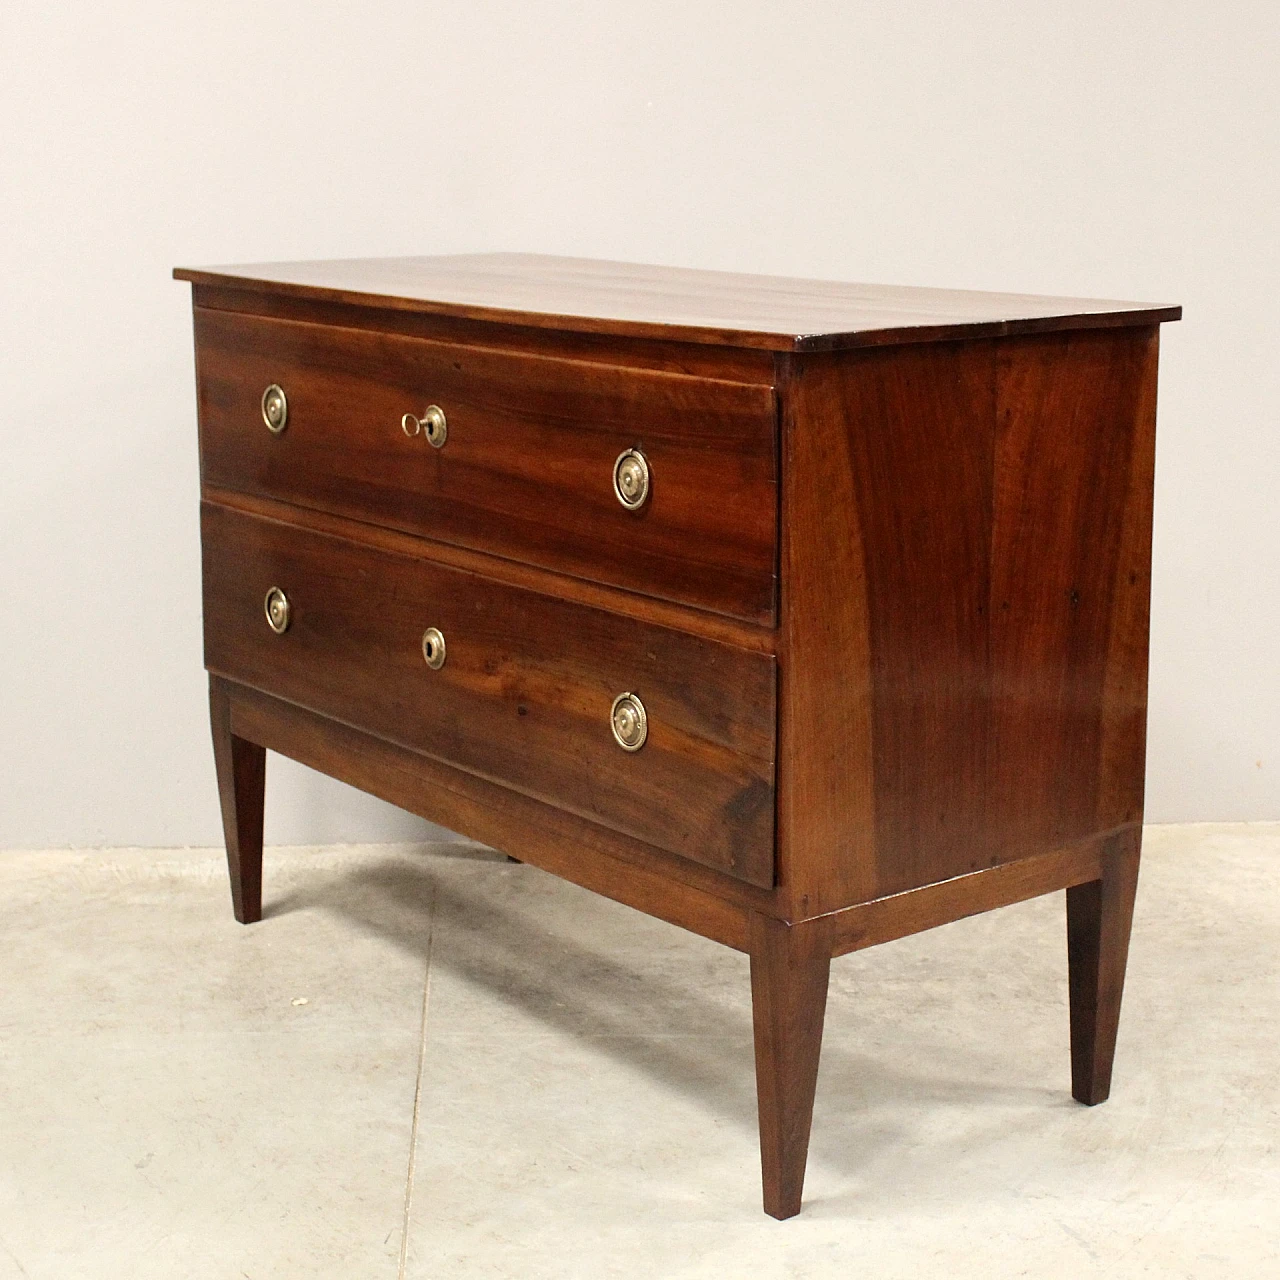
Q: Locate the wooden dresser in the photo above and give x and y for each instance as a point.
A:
(802, 615)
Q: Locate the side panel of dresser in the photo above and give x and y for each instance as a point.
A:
(965, 590)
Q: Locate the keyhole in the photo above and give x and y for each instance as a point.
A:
(433, 648)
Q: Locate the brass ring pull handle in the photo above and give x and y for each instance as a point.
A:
(432, 424)
(276, 607)
(275, 409)
(433, 648)
(631, 479)
(629, 722)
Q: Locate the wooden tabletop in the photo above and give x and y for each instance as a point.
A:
(586, 295)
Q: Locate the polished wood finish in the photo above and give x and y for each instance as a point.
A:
(241, 765)
(966, 569)
(527, 469)
(628, 871)
(626, 300)
(889, 621)
(613, 600)
(696, 359)
(1099, 920)
(790, 965)
(524, 695)
(866, 924)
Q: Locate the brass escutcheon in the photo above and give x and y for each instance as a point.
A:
(629, 722)
(631, 479)
(433, 648)
(276, 607)
(275, 409)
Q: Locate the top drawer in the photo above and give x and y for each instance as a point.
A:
(527, 467)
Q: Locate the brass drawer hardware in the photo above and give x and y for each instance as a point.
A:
(275, 409)
(631, 479)
(276, 607)
(433, 647)
(432, 424)
(629, 722)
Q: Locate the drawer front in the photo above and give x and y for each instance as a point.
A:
(526, 690)
(527, 467)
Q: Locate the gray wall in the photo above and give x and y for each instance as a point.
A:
(1101, 149)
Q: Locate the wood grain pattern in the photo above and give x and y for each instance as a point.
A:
(628, 871)
(525, 693)
(527, 471)
(625, 604)
(241, 769)
(826, 771)
(627, 300)
(963, 667)
(867, 924)
(1070, 585)
(696, 359)
(790, 967)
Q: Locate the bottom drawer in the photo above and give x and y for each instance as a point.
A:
(525, 694)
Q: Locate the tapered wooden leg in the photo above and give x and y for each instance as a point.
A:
(1099, 918)
(241, 769)
(790, 965)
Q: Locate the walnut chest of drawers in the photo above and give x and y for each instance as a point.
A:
(802, 615)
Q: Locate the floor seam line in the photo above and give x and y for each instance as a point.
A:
(417, 1093)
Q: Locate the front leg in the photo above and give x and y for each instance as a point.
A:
(241, 769)
(1099, 919)
(790, 966)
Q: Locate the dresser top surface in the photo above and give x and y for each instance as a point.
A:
(627, 300)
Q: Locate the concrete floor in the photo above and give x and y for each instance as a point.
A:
(431, 1062)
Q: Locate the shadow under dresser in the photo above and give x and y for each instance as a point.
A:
(802, 615)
